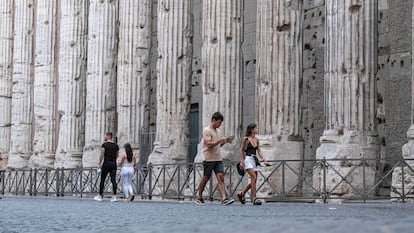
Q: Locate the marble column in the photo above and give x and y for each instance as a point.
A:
(350, 93)
(133, 80)
(6, 71)
(175, 33)
(222, 33)
(72, 82)
(22, 91)
(407, 151)
(44, 86)
(101, 77)
(278, 87)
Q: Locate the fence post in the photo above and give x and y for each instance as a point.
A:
(325, 194)
(194, 179)
(402, 182)
(137, 170)
(35, 182)
(364, 195)
(283, 179)
(178, 182)
(211, 193)
(62, 182)
(16, 185)
(47, 182)
(57, 171)
(31, 182)
(81, 181)
(150, 181)
(230, 179)
(3, 182)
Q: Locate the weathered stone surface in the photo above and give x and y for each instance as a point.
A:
(22, 90)
(221, 79)
(402, 184)
(133, 71)
(72, 83)
(400, 176)
(101, 78)
(6, 71)
(278, 79)
(44, 86)
(350, 91)
(175, 32)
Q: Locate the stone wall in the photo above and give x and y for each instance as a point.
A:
(393, 77)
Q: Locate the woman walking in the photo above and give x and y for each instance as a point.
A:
(249, 150)
(128, 163)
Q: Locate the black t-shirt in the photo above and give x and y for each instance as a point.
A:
(110, 151)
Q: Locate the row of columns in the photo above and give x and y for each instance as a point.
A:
(93, 97)
(60, 89)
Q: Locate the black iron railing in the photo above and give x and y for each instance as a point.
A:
(355, 179)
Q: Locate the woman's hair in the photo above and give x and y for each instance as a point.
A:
(250, 128)
(128, 151)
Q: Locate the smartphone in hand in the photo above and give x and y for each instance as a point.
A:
(230, 139)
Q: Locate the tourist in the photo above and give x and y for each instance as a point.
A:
(249, 150)
(107, 164)
(128, 163)
(212, 141)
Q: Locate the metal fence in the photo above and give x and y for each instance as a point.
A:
(284, 180)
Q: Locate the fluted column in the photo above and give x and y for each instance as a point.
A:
(175, 32)
(72, 82)
(6, 69)
(406, 176)
(350, 91)
(278, 81)
(101, 77)
(222, 33)
(44, 86)
(133, 70)
(22, 92)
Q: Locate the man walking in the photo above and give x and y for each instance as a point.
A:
(107, 163)
(213, 140)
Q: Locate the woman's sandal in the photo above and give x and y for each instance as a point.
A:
(257, 202)
(241, 198)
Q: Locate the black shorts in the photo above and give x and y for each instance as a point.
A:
(216, 166)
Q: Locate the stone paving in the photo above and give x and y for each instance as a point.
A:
(38, 214)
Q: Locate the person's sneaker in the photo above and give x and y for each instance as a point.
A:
(98, 198)
(132, 197)
(114, 199)
(227, 201)
(200, 201)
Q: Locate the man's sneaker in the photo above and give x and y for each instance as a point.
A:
(98, 198)
(227, 201)
(114, 199)
(200, 201)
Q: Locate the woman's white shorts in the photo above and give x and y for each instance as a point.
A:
(249, 163)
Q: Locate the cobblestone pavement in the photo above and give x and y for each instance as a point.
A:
(28, 214)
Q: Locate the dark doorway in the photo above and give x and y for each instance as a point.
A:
(194, 126)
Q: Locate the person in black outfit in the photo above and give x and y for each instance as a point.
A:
(107, 163)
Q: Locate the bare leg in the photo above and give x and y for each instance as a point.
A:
(246, 189)
(202, 185)
(253, 179)
(220, 182)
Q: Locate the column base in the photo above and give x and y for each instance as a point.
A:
(343, 154)
(18, 161)
(4, 162)
(168, 155)
(284, 177)
(70, 159)
(42, 160)
(91, 156)
(397, 176)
